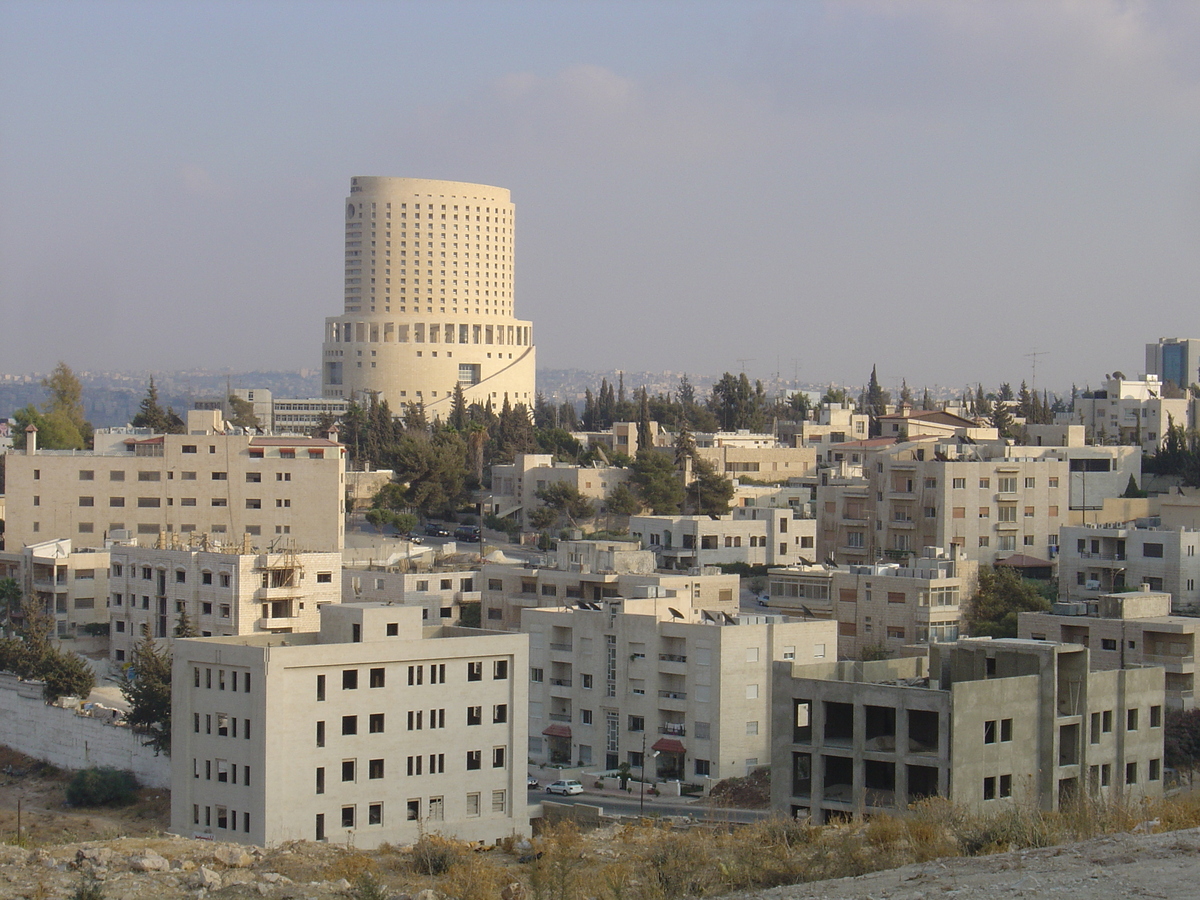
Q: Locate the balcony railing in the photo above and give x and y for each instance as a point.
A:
(673, 730)
(560, 682)
(672, 695)
(672, 657)
(560, 717)
(565, 648)
(1113, 557)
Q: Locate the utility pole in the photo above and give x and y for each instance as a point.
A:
(1033, 377)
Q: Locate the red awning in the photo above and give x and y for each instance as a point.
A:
(556, 730)
(668, 745)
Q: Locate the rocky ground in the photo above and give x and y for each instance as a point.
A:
(124, 855)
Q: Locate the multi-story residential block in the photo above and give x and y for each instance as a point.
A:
(1101, 559)
(592, 571)
(220, 590)
(835, 424)
(405, 340)
(986, 723)
(893, 607)
(908, 423)
(70, 583)
(989, 502)
(1124, 630)
(515, 486)
(440, 589)
(286, 490)
(302, 415)
(1129, 411)
(622, 437)
(772, 463)
(750, 534)
(683, 691)
(371, 730)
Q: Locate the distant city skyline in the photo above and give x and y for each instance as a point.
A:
(938, 189)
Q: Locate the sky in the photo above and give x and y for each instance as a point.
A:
(938, 189)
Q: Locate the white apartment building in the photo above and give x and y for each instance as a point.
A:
(515, 485)
(985, 723)
(592, 571)
(222, 590)
(1129, 411)
(282, 491)
(439, 590)
(750, 534)
(1123, 630)
(683, 691)
(373, 730)
(428, 298)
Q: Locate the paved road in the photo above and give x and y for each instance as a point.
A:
(615, 803)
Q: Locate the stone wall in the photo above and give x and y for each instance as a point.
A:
(70, 739)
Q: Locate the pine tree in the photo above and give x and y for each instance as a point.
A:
(645, 432)
(458, 408)
(148, 692)
(875, 403)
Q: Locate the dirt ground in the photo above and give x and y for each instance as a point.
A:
(45, 819)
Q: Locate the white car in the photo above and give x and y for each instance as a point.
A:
(564, 787)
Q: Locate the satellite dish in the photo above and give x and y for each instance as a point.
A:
(675, 614)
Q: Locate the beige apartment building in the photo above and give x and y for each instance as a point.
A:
(1134, 628)
(593, 571)
(750, 534)
(772, 464)
(515, 485)
(1101, 559)
(70, 583)
(683, 691)
(989, 502)
(221, 590)
(372, 730)
(282, 491)
(892, 607)
(428, 298)
(985, 723)
(440, 590)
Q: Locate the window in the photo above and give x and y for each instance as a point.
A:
(637, 723)
(1154, 772)
(498, 756)
(702, 767)
(500, 713)
(1108, 644)
(377, 678)
(1131, 720)
(958, 484)
(989, 732)
(1006, 730)
(348, 768)
(474, 715)
(1106, 719)
(375, 814)
(989, 788)
(499, 801)
(500, 670)
(375, 768)
(1131, 775)
(473, 804)
(474, 759)
(349, 724)
(87, 501)
(220, 476)
(586, 681)
(537, 675)
(1006, 484)
(347, 817)
(87, 475)
(752, 728)
(349, 679)
(320, 687)
(1006, 780)
(1156, 717)
(1152, 551)
(585, 717)
(474, 671)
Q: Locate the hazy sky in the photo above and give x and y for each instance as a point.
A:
(935, 187)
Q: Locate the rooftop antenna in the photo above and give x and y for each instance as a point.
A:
(744, 361)
(1033, 377)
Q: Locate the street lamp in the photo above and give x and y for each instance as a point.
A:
(642, 783)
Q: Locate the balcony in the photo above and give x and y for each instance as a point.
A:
(673, 730)
(560, 717)
(673, 700)
(1175, 664)
(902, 523)
(561, 648)
(672, 657)
(1112, 557)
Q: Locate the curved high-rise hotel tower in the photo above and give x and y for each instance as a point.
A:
(429, 298)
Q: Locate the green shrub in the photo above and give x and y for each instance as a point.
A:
(102, 787)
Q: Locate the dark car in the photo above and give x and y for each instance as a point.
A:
(468, 533)
(436, 529)
(413, 538)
